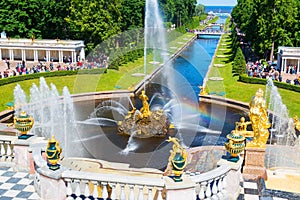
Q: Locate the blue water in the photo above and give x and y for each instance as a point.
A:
(193, 65)
(219, 9)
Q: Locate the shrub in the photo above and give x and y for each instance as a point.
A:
(14, 79)
(253, 80)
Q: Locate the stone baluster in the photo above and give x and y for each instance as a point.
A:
(9, 151)
(77, 189)
(122, 193)
(95, 192)
(113, 194)
(150, 196)
(104, 190)
(87, 191)
(2, 150)
(159, 191)
(141, 193)
(215, 188)
(220, 188)
(69, 188)
(197, 190)
(203, 186)
(131, 192)
(224, 192)
(208, 192)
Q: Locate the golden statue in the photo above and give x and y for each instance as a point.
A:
(177, 160)
(202, 90)
(241, 128)
(145, 110)
(296, 122)
(259, 120)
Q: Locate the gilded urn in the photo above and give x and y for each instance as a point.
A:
(235, 146)
(23, 123)
(53, 152)
(178, 165)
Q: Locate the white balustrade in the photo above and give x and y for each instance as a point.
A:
(115, 187)
(211, 183)
(6, 149)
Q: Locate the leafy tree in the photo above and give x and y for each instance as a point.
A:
(199, 10)
(43, 19)
(178, 11)
(94, 20)
(132, 12)
(268, 24)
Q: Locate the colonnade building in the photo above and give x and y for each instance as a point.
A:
(40, 49)
(288, 56)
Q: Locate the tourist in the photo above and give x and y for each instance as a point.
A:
(7, 63)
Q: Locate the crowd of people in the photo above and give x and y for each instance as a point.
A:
(22, 68)
(263, 70)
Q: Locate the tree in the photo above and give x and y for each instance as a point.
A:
(132, 12)
(178, 11)
(94, 20)
(268, 24)
(199, 10)
(239, 63)
(43, 19)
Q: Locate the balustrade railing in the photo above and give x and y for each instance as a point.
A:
(7, 148)
(211, 185)
(112, 186)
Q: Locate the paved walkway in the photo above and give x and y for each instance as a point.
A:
(16, 185)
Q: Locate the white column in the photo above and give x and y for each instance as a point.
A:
(74, 57)
(82, 54)
(0, 54)
(47, 56)
(23, 54)
(285, 65)
(11, 54)
(35, 55)
(60, 56)
(282, 67)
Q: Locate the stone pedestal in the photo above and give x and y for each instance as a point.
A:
(180, 190)
(23, 155)
(233, 178)
(51, 185)
(254, 167)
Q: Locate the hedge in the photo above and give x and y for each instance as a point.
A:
(14, 79)
(252, 80)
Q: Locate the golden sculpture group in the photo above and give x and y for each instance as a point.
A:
(259, 121)
(144, 123)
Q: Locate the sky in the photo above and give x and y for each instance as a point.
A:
(217, 2)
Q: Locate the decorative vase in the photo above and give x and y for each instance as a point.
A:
(53, 152)
(234, 146)
(23, 123)
(178, 164)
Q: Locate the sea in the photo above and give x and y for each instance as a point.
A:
(219, 9)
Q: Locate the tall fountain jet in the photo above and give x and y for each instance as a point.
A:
(154, 35)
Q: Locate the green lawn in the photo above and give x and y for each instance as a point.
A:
(81, 83)
(241, 91)
(123, 79)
